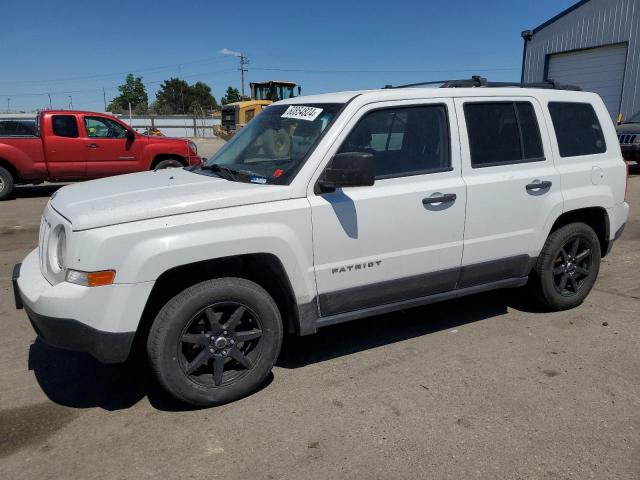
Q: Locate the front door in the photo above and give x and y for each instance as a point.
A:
(402, 237)
(110, 151)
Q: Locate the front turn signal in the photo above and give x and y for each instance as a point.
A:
(91, 279)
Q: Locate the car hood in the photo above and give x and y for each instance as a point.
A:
(146, 195)
(627, 128)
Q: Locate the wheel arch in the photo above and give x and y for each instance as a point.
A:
(265, 269)
(596, 217)
(7, 165)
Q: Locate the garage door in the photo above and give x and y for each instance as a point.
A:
(599, 70)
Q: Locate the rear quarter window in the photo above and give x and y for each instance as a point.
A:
(577, 129)
(65, 126)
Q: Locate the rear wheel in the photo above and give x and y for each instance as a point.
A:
(567, 267)
(216, 341)
(6, 183)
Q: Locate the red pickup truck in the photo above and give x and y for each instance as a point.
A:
(70, 145)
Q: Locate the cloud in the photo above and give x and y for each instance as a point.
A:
(226, 51)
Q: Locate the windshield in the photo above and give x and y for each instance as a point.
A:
(273, 146)
(633, 118)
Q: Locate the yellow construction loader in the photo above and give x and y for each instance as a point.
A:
(236, 115)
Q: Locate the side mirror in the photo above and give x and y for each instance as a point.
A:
(130, 134)
(349, 169)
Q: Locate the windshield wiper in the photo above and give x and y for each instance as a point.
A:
(224, 172)
(232, 174)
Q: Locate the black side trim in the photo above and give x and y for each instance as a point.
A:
(70, 334)
(495, 270)
(16, 290)
(366, 296)
(617, 235)
(307, 317)
(416, 302)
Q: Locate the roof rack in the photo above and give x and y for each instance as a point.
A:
(477, 81)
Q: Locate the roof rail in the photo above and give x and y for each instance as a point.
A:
(477, 81)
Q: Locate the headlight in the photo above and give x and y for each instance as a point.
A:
(57, 249)
(193, 147)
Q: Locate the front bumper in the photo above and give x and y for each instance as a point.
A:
(101, 321)
(107, 347)
(194, 160)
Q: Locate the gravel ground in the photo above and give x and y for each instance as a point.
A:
(482, 387)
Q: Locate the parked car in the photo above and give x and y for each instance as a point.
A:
(629, 137)
(68, 145)
(326, 209)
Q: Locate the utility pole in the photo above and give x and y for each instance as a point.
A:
(50, 104)
(8, 105)
(244, 61)
(104, 97)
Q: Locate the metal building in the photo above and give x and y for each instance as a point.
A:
(594, 44)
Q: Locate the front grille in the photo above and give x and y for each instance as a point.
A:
(627, 139)
(228, 120)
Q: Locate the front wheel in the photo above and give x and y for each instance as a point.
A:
(567, 267)
(169, 163)
(216, 341)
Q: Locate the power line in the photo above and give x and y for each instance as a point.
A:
(103, 75)
(150, 82)
(305, 70)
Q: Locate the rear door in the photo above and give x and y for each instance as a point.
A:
(65, 150)
(110, 152)
(402, 237)
(513, 187)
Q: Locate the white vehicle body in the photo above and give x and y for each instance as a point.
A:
(341, 255)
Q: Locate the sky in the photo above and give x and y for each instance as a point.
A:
(73, 48)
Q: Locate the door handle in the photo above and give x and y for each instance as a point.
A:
(441, 198)
(539, 185)
(92, 145)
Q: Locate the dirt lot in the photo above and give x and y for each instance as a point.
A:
(484, 387)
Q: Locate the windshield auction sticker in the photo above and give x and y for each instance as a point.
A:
(300, 112)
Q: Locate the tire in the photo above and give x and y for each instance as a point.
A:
(566, 271)
(227, 321)
(6, 183)
(169, 163)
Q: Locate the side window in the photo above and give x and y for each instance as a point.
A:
(502, 133)
(65, 126)
(577, 129)
(103, 128)
(403, 141)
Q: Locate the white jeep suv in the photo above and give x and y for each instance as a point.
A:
(326, 209)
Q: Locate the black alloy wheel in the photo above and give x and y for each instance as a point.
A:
(220, 344)
(572, 266)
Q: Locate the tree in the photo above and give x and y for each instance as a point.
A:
(232, 95)
(201, 98)
(133, 92)
(177, 96)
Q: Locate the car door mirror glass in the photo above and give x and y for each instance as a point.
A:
(348, 169)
